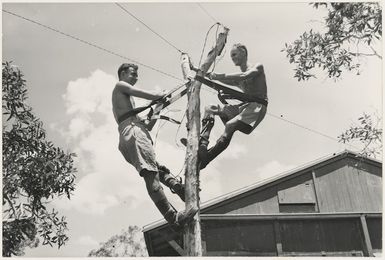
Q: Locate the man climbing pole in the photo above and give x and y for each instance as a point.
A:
(244, 117)
(136, 145)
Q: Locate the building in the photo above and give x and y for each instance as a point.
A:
(331, 207)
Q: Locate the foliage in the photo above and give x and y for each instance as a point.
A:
(128, 243)
(34, 172)
(349, 26)
(368, 133)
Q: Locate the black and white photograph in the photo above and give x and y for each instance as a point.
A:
(211, 128)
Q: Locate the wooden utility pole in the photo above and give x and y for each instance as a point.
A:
(192, 233)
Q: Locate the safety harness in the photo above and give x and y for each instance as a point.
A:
(225, 92)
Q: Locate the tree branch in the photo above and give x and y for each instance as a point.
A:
(375, 52)
(14, 219)
(356, 54)
(10, 204)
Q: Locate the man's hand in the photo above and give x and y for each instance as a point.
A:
(157, 107)
(161, 94)
(214, 76)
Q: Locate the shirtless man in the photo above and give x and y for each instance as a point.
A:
(244, 117)
(135, 144)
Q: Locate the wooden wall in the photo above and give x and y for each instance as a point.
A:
(344, 234)
(342, 187)
(346, 185)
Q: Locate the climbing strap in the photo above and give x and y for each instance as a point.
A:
(225, 92)
(165, 101)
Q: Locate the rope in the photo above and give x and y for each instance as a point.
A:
(160, 36)
(177, 131)
(215, 59)
(90, 44)
(204, 45)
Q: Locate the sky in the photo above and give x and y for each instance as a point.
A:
(70, 84)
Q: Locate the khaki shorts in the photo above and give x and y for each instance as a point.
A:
(136, 145)
(249, 113)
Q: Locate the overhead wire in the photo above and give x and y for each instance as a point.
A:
(307, 128)
(206, 12)
(148, 27)
(200, 60)
(90, 44)
(288, 121)
(157, 70)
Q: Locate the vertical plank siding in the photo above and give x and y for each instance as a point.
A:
(338, 187)
(375, 232)
(343, 188)
(246, 236)
(284, 236)
(337, 206)
(263, 202)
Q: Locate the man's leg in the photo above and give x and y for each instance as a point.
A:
(157, 195)
(223, 141)
(174, 184)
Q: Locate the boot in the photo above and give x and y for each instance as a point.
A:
(207, 124)
(185, 216)
(174, 184)
(168, 212)
(176, 219)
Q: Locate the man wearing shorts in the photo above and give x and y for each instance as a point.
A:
(136, 145)
(244, 117)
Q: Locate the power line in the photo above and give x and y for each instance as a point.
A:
(208, 14)
(152, 68)
(308, 129)
(160, 36)
(91, 44)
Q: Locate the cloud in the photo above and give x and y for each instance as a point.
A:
(86, 240)
(271, 169)
(89, 95)
(210, 185)
(78, 126)
(235, 152)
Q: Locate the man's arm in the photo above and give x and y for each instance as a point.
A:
(239, 76)
(227, 81)
(126, 88)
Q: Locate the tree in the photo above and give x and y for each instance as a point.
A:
(34, 172)
(128, 244)
(349, 27)
(368, 133)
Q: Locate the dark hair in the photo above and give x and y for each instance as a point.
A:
(126, 66)
(240, 46)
